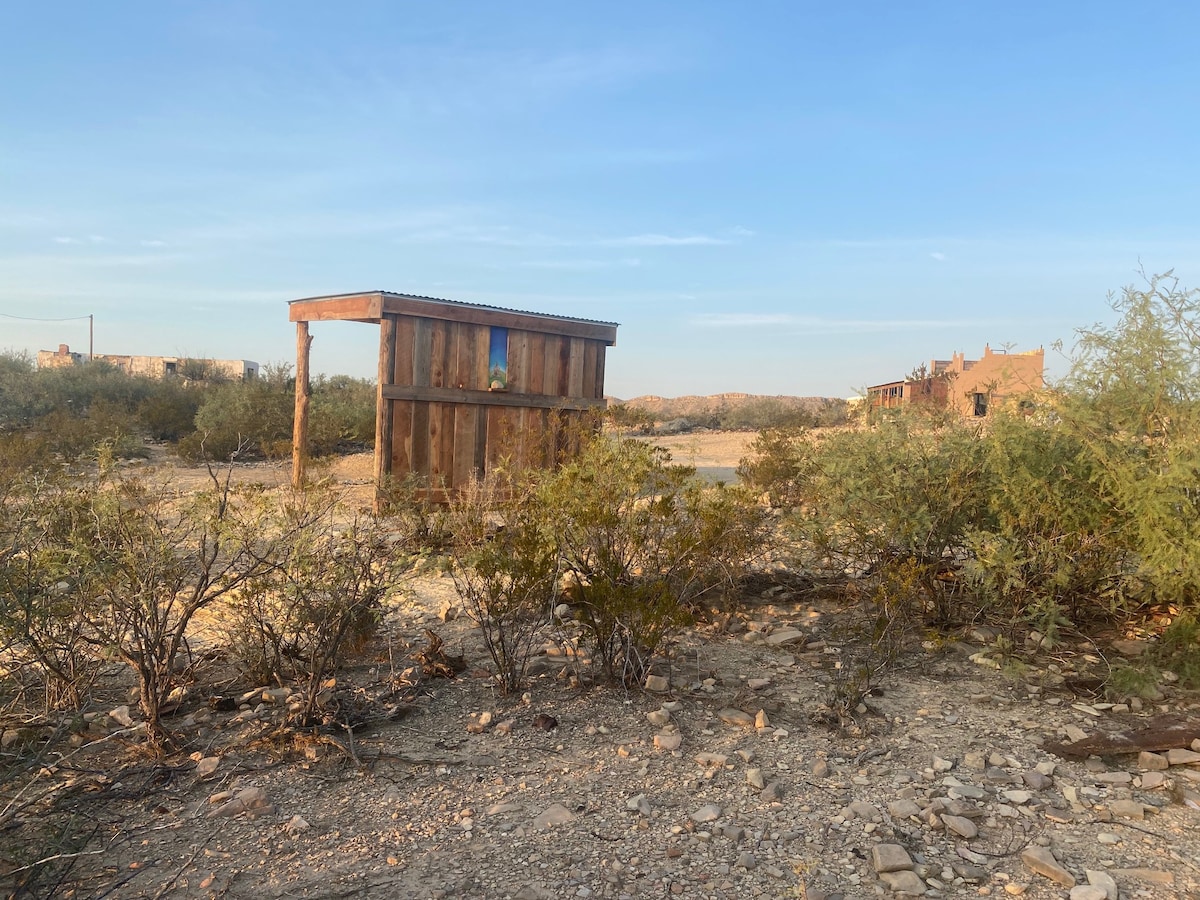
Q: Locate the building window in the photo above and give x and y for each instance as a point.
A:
(981, 402)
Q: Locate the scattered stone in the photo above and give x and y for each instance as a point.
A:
(1042, 862)
(746, 860)
(710, 812)
(820, 768)
(252, 801)
(772, 792)
(1088, 892)
(657, 684)
(207, 766)
(555, 814)
(505, 727)
(1130, 648)
(1127, 809)
(736, 717)
(942, 765)
(861, 809)
(712, 760)
(890, 858)
(785, 637)
(757, 684)
(1153, 780)
(761, 721)
(961, 825)
(1036, 781)
(639, 804)
(1104, 881)
(544, 722)
(477, 723)
(295, 825)
(658, 717)
(1150, 876)
(904, 882)
(903, 809)
(1182, 757)
(1152, 762)
(668, 740)
(754, 778)
(121, 716)
(966, 792)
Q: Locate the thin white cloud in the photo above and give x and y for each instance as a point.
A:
(582, 264)
(505, 236)
(665, 240)
(75, 241)
(153, 243)
(938, 255)
(819, 325)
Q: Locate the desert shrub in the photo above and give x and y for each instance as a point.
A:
(44, 639)
(299, 619)
(343, 413)
(506, 568)
(1132, 399)
(765, 412)
(242, 418)
(628, 419)
(169, 414)
(778, 465)
(17, 406)
(642, 543)
(1052, 545)
(24, 453)
(903, 492)
(147, 562)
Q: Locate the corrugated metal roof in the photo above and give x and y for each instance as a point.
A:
(458, 303)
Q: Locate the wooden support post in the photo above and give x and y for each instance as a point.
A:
(384, 431)
(303, 392)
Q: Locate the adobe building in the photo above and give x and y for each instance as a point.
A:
(151, 366)
(969, 386)
(462, 387)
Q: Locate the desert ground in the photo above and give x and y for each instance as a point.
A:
(734, 777)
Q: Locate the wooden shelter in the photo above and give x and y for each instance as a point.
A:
(461, 386)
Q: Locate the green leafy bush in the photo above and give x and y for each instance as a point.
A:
(902, 492)
(643, 543)
(1053, 540)
(778, 464)
(506, 568)
(1132, 399)
(298, 619)
(44, 639)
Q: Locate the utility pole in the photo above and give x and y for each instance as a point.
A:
(91, 336)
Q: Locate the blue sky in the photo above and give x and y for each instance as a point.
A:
(768, 197)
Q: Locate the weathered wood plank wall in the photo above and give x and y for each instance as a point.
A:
(439, 422)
